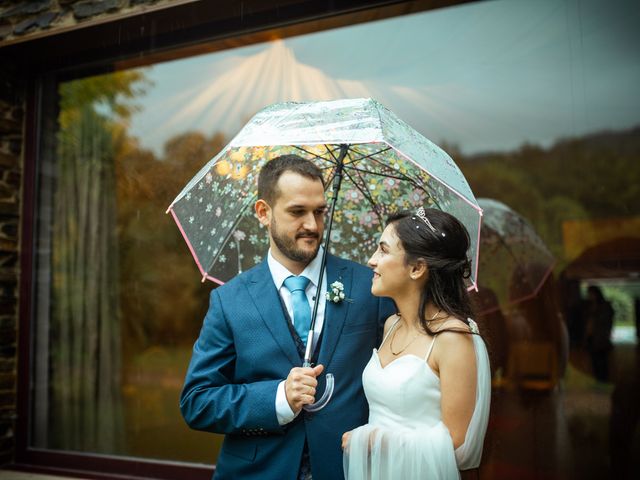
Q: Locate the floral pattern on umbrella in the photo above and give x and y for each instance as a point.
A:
(388, 167)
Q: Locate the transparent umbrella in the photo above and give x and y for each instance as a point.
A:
(514, 260)
(372, 161)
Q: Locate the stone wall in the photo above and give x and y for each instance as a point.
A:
(21, 19)
(11, 144)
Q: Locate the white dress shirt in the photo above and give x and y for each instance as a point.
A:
(279, 274)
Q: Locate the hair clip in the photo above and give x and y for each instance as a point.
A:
(422, 215)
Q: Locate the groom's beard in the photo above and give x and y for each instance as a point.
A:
(288, 246)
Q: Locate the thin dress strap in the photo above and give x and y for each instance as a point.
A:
(473, 327)
(390, 330)
(426, 358)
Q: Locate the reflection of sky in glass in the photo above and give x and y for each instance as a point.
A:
(489, 75)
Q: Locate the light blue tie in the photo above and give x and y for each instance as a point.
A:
(301, 310)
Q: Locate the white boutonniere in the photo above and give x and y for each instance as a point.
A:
(335, 293)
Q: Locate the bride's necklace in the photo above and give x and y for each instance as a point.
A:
(395, 354)
(393, 336)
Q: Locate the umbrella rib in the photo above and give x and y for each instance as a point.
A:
(334, 161)
(400, 176)
(365, 193)
(394, 174)
(380, 174)
(397, 176)
(333, 155)
(370, 155)
(413, 181)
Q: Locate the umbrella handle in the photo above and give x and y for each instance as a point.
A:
(326, 396)
(328, 391)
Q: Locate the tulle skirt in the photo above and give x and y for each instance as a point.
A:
(400, 453)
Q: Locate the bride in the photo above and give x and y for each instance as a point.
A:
(428, 385)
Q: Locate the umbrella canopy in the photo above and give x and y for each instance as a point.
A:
(384, 164)
(514, 260)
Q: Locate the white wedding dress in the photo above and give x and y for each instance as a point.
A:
(405, 438)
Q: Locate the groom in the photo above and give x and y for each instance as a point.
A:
(245, 379)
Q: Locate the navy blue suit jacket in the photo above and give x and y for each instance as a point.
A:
(245, 349)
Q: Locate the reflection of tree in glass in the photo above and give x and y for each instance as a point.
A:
(161, 301)
(592, 177)
(86, 405)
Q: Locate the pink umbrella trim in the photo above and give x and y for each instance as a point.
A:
(526, 297)
(205, 274)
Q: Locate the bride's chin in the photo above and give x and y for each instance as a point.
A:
(376, 292)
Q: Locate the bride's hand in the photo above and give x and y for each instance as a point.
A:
(345, 440)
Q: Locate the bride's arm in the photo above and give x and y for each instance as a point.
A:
(454, 358)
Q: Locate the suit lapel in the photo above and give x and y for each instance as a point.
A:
(267, 302)
(335, 313)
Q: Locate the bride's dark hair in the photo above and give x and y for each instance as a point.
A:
(443, 246)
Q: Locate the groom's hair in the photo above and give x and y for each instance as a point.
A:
(271, 172)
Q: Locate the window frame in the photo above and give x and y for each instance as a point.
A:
(55, 57)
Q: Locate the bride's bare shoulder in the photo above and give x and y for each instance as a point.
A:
(453, 331)
(451, 324)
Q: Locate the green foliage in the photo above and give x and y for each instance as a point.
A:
(163, 301)
(593, 177)
(114, 91)
(85, 340)
(160, 298)
(621, 302)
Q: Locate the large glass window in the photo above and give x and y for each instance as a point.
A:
(538, 104)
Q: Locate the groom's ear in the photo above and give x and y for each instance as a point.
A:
(263, 212)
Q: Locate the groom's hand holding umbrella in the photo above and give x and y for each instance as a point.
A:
(300, 386)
